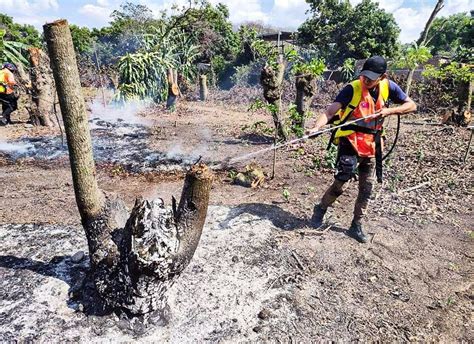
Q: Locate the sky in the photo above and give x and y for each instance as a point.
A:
(411, 15)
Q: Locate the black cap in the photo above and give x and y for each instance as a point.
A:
(374, 67)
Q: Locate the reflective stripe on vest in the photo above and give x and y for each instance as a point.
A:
(3, 82)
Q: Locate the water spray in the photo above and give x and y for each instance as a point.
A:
(229, 161)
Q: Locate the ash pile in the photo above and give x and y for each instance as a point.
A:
(115, 142)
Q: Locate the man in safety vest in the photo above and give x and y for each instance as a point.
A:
(360, 144)
(7, 96)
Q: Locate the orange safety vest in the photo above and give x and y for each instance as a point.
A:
(7, 80)
(362, 105)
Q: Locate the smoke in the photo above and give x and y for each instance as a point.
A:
(114, 113)
(16, 149)
(192, 152)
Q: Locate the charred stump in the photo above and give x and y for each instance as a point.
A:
(173, 89)
(305, 90)
(133, 258)
(42, 88)
(460, 113)
(134, 261)
(271, 80)
(203, 90)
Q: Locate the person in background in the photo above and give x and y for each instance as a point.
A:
(7, 95)
(360, 144)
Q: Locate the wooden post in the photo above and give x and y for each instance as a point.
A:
(173, 90)
(203, 91)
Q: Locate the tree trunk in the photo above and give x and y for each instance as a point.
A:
(462, 115)
(132, 261)
(422, 40)
(424, 35)
(203, 91)
(89, 199)
(409, 81)
(173, 90)
(42, 88)
(271, 81)
(305, 90)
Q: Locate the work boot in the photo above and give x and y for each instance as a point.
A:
(356, 232)
(318, 216)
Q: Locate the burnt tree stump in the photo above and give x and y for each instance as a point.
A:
(135, 257)
(42, 88)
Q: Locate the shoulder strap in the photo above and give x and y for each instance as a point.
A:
(384, 89)
(356, 96)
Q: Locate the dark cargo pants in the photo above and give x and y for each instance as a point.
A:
(366, 170)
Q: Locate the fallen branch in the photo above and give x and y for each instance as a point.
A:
(300, 264)
(419, 186)
(424, 123)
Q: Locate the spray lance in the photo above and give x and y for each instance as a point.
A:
(229, 161)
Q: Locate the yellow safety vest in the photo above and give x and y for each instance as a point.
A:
(344, 114)
(4, 81)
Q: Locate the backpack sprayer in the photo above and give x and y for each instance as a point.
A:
(230, 161)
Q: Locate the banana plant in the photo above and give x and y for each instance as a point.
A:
(144, 74)
(12, 51)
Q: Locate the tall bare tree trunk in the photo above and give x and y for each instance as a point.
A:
(305, 89)
(424, 35)
(271, 81)
(42, 88)
(203, 91)
(422, 40)
(133, 259)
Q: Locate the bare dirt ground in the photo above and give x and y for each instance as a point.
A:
(260, 273)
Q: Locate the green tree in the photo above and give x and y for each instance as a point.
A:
(125, 34)
(25, 34)
(447, 34)
(338, 31)
(81, 38)
(209, 27)
(411, 58)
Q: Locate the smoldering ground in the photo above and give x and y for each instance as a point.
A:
(120, 136)
(250, 280)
